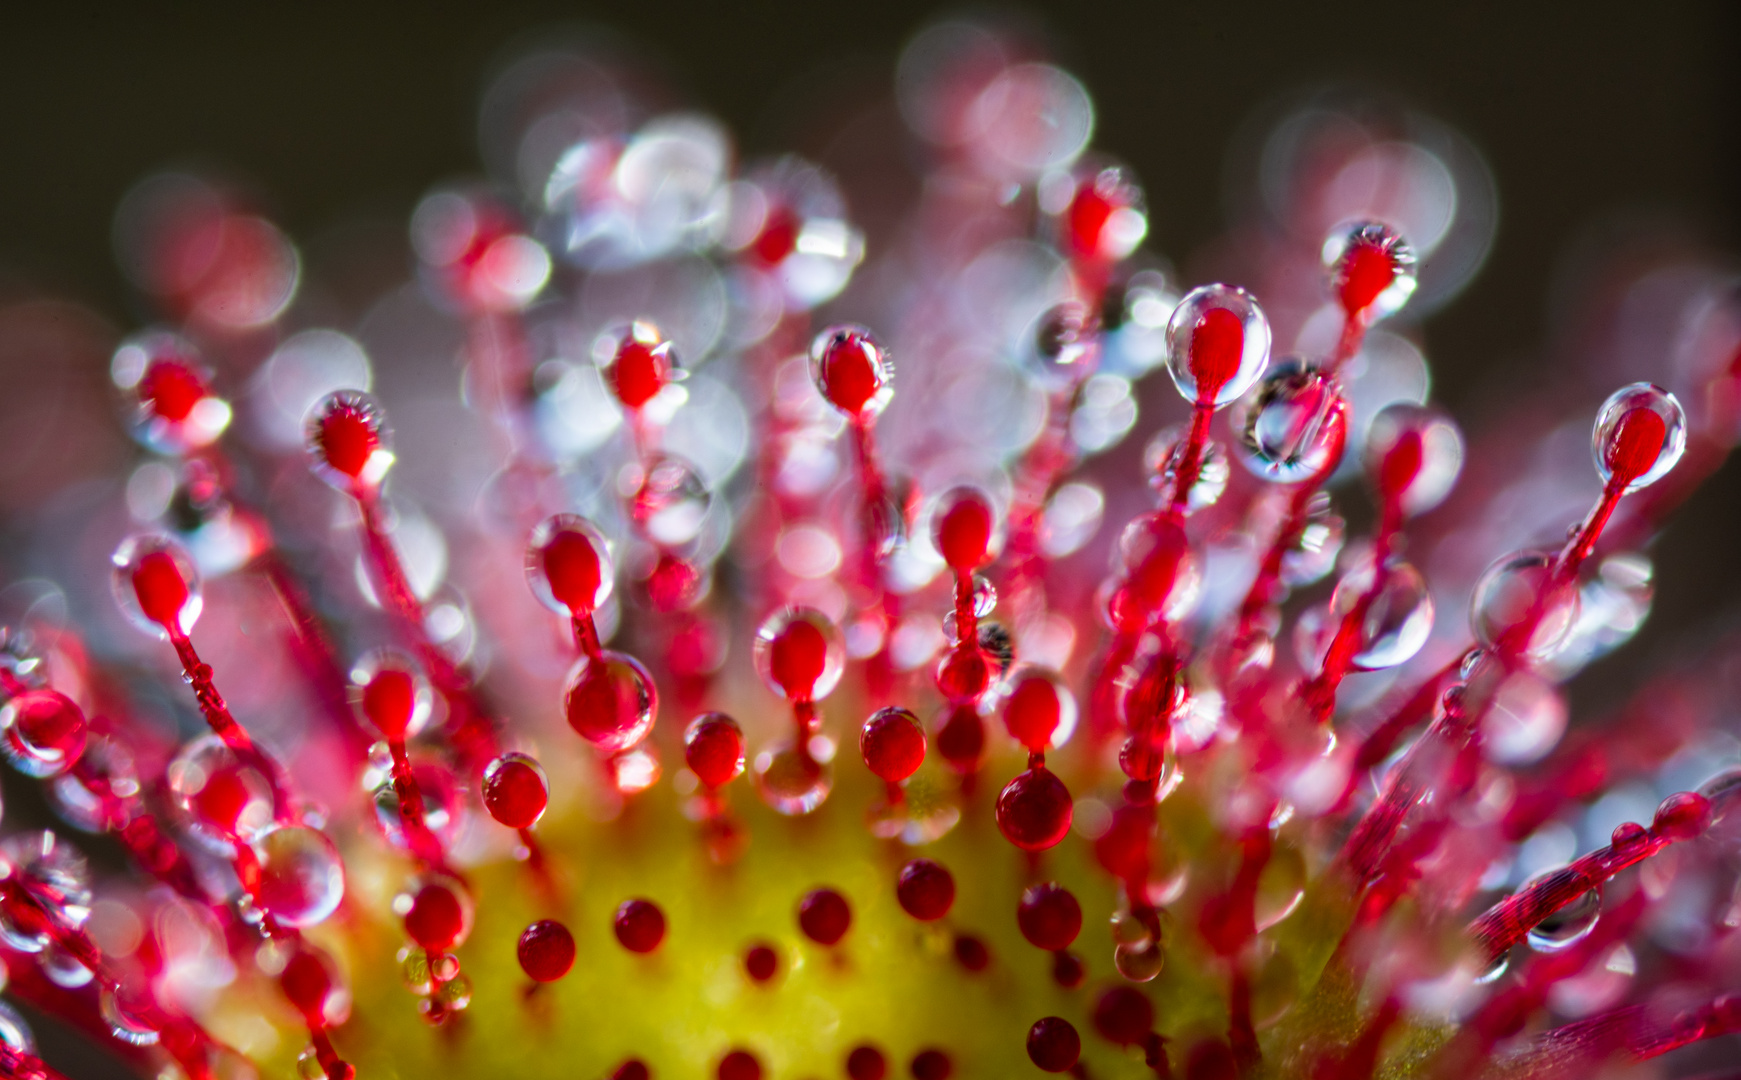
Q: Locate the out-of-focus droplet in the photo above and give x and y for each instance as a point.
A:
(1522, 603)
(1413, 454)
(348, 440)
(56, 875)
(667, 497)
(791, 780)
(610, 700)
(1105, 219)
(1161, 462)
(1217, 345)
(1372, 269)
(224, 798)
(1641, 432)
(1294, 425)
(1397, 620)
(800, 654)
(1567, 926)
(1522, 714)
(301, 878)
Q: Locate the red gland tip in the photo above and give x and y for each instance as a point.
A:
(1635, 445)
(963, 532)
(574, 569)
(971, 953)
(307, 981)
(161, 589)
(347, 436)
(639, 925)
(437, 919)
(931, 1064)
(171, 388)
(850, 370)
(390, 701)
(713, 748)
(546, 950)
(1033, 712)
(515, 791)
(1124, 1015)
(892, 744)
(1365, 271)
(824, 916)
(641, 368)
(1217, 343)
(926, 890)
(796, 648)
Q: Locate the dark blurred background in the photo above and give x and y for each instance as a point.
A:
(1587, 113)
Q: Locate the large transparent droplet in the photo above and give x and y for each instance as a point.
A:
(1217, 344)
(667, 497)
(1522, 604)
(1522, 715)
(301, 878)
(157, 584)
(800, 654)
(610, 700)
(568, 565)
(224, 798)
(1640, 434)
(1569, 925)
(42, 732)
(1398, 618)
(1295, 424)
(56, 875)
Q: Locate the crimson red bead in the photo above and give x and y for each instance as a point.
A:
(932, 1065)
(964, 673)
(1032, 712)
(1682, 816)
(515, 791)
(740, 1065)
(797, 655)
(171, 388)
(390, 701)
(437, 919)
(866, 1062)
(972, 953)
(44, 731)
(762, 963)
(824, 916)
(161, 589)
(1124, 1015)
(632, 1069)
(639, 925)
(573, 568)
(546, 950)
(1635, 445)
(963, 529)
(1034, 810)
(1053, 1044)
(713, 748)
(611, 700)
(851, 370)
(1049, 916)
(893, 744)
(640, 369)
(346, 437)
(926, 890)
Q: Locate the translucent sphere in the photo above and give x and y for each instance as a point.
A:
(1567, 926)
(1295, 424)
(1034, 810)
(568, 565)
(1523, 605)
(1413, 454)
(173, 409)
(392, 693)
(1161, 578)
(966, 528)
(1522, 715)
(851, 370)
(713, 748)
(301, 878)
(157, 585)
(667, 497)
(349, 442)
(42, 732)
(800, 654)
(1217, 344)
(1161, 463)
(1063, 347)
(516, 791)
(223, 798)
(791, 780)
(1397, 621)
(1106, 219)
(610, 700)
(1640, 434)
(1372, 269)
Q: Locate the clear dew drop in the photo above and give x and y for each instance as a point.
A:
(668, 499)
(790, 780)
(1521, 603)
(1641, 431)
(1293, 425)
(1139, 962)
(1217, 344)
(1398, 618)
(1160, 462)
(1570, 924)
